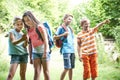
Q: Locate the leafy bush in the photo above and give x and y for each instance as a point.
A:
(4, 17)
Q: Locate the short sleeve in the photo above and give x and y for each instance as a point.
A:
(11, 31)
(59, 31)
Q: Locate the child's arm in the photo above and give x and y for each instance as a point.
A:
(59, 36)
(104, 22)
(59, 30)
(25, 43)
(14, 41)
(78, 49)
(95, 29)
(45, 40)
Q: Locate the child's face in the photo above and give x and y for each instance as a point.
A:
(18, 25)
(28, 21)
(86, 25)
(68, 20)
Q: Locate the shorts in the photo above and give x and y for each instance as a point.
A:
(39, 55)
(90, 65)
(19, 59)
(69, 60)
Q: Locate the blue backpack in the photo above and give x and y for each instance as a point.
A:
(49, 32)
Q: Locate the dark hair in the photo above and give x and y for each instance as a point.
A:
(66, 16)
(83, 21)
(16, 19)
(31, 16)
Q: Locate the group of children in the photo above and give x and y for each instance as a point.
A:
(39, 51)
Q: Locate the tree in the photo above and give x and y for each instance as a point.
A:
(45, 10)
(3, 17)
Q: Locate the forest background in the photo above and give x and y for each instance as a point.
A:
(53, 11)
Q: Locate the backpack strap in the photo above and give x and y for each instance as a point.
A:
(64, 27)
(71, 29)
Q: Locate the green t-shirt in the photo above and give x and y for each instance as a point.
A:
(17, 49)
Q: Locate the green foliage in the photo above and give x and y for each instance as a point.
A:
(3, 75)
(111, 10)
(2, 42)
(3, 62)
(3, 17)
(78, 14)
(45, 10)
(4, 65)
(108, 71)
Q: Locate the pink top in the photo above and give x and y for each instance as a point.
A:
(34, 37)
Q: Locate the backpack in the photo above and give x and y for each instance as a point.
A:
(59, 42)
(49, 33)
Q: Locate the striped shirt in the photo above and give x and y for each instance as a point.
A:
(87, 41)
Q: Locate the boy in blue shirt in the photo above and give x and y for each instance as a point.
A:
(65, 33)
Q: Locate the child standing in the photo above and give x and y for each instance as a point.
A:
(87, 50)
(17, 49)
(39, 49)
(67, 48)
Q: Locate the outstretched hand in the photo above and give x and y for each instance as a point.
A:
(106, 21)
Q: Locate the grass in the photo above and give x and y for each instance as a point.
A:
(107, 71)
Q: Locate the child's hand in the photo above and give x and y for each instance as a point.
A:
(106, 21)
(24, 37)
(44, 56)
(31, 61)
(80, 58)
(56, 38)
(25, 43)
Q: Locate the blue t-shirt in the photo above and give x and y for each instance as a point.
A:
(17, 49)
(68, 42)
